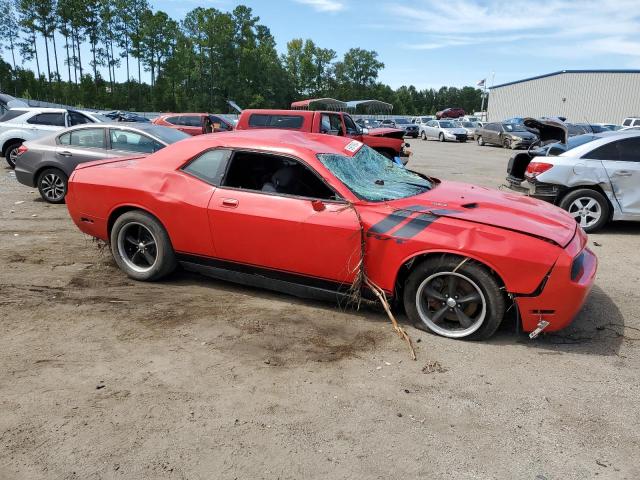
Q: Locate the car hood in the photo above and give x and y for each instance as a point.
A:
(547, 130)
(386, 132)
(455, 130)
(496, 208)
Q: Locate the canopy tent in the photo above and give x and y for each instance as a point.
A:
(370, 107)
(319, 104)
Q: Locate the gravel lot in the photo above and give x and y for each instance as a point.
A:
(106, 378)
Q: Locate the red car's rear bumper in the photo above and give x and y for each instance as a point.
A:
(565, 291)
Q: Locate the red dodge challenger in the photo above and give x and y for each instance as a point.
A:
(308, 214)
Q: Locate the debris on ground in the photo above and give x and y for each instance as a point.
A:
(433, 366)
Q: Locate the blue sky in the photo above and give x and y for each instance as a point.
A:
(431, 43)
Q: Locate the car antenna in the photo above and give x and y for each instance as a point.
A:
(589, 123)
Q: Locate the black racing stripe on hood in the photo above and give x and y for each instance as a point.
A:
(394, 219)
(415, 226)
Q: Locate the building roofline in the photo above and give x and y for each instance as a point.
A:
(560, 72)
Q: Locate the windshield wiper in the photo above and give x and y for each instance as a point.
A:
(428, 187)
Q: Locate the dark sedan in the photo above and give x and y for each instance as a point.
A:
(508, 135)
(410, 129)
(47, 162)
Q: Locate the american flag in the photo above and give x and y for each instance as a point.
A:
(482, 82)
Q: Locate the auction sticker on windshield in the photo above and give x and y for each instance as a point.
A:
(353, 146)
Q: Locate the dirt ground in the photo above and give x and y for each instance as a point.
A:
(190, 378)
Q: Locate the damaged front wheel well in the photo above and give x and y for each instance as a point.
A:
(409, 265)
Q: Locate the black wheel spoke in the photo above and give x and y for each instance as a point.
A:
(135, 255)
(148, 257)
(131, 240)
(432, 293)
(453, 285)
(465, 321)
(439, 314)
(472, 297)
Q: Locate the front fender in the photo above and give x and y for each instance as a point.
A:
(506, 252)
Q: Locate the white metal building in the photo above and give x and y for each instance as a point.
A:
(579, 95)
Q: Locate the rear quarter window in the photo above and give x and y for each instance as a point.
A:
(11, 114)
(261, 120)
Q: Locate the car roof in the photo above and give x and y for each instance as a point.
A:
(284, 142)
(40, 110)
(599, 139)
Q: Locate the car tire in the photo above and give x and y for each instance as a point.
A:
(441, 137)
(141, 246)
(477, 318)
(52, 185)
(11, 153)
(424, 136)
(589, 208)
(480, 141)
(506, 143)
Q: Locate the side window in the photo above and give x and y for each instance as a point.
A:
(274, 174)
(192, 121)
(629, 149)
(84, 138)
(636, 123)
(627, 122)
(605, 152)
(261, 120)
(76, 118)
(174, 120)
(352, 129)
(209, 166)
(53, 119)
(219, 123)
(133, 142)
(331, 124)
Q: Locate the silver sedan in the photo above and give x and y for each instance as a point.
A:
(595, 177)
(443, 130)
(47, 162)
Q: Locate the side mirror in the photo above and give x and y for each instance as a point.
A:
(318, 205)
(365, 131)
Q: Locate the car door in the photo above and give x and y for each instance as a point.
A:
(123, 142)
(621, 160)
(433, 129)
(259, 224)
(80, 145)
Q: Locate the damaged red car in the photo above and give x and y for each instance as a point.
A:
(310, 214)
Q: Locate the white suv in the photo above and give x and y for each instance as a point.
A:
(20, 124)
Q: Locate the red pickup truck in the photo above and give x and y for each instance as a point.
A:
(388, 141)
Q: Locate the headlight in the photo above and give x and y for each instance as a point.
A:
(516, 139)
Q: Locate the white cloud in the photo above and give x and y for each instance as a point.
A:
(568, 28)
(324, 5)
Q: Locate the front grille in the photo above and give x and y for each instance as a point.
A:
(461, 137)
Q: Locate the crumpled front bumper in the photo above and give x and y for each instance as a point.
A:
(564, 291)
(542, 191)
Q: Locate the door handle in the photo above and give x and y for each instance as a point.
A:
(229, 202)
(65, 154)
(623, 173)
